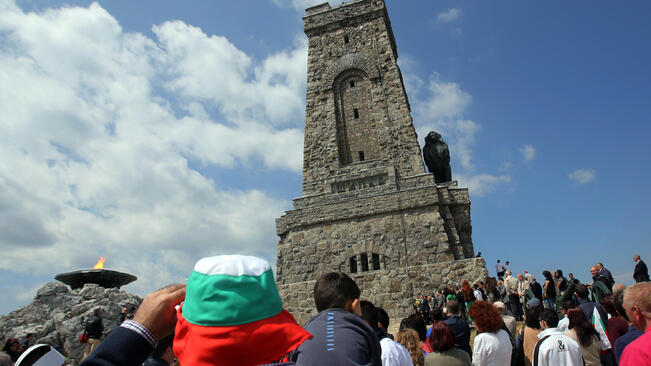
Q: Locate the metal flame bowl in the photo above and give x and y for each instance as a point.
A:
(103, 277)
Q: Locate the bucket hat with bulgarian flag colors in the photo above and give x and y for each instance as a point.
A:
(233, 315)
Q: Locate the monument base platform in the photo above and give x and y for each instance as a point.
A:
(392, 289)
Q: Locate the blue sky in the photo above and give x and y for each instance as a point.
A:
(158, 132)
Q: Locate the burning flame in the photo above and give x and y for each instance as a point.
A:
(100, 263)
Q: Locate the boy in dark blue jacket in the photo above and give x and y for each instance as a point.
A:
(341, 337)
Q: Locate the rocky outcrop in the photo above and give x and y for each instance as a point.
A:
(57, 315)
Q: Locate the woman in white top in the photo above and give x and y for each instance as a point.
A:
(492, 346)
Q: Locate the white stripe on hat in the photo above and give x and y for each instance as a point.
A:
(232, 265)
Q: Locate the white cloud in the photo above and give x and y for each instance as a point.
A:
(482, 184)
(446, 99)
(528, 152)
(582, 176)
(23, 293)
(442, 110)
(448, 16)
(212, 70)
(99, 132)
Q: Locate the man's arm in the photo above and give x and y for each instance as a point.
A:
(122, 347)
(131, 343)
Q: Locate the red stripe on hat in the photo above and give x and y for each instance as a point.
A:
(255, 343)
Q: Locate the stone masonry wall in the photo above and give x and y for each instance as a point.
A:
(368, 208)
(408, 237)
(391, 289)
(355, 36)
(412, 227)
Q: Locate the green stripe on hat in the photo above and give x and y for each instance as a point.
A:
(218, 299)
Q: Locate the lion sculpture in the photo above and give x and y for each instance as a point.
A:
(437, 157)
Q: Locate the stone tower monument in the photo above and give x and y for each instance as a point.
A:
(368, 207)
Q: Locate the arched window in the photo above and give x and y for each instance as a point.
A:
(356, 130)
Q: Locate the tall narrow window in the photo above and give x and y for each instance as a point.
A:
(346, 40)
(364, 260)
(361, 156)
(353, 264)
(356, 127)
(376, 261)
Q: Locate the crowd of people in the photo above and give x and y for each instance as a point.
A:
(229, 312)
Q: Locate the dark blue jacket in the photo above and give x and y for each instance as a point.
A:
(626, 338)
(588, 308)
(151, 361)
(641, 273)
(123, 347)
(462, 331)
(340, 338)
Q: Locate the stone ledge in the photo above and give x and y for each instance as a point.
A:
(451, 193)
(323, 15)
(357, 207)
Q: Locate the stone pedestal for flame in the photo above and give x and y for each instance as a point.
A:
(104, 277)
(58, 315)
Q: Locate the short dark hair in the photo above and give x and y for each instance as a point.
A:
(442, 337)
(567, 305)
(415, 322)
(162, 346)
(532, 316)
(437, 314)
(383, 317)
(581, 291)
(608, 304)
(404, 324)
(453, 307)
(369, 313)
(333, 290)
(550, 317)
